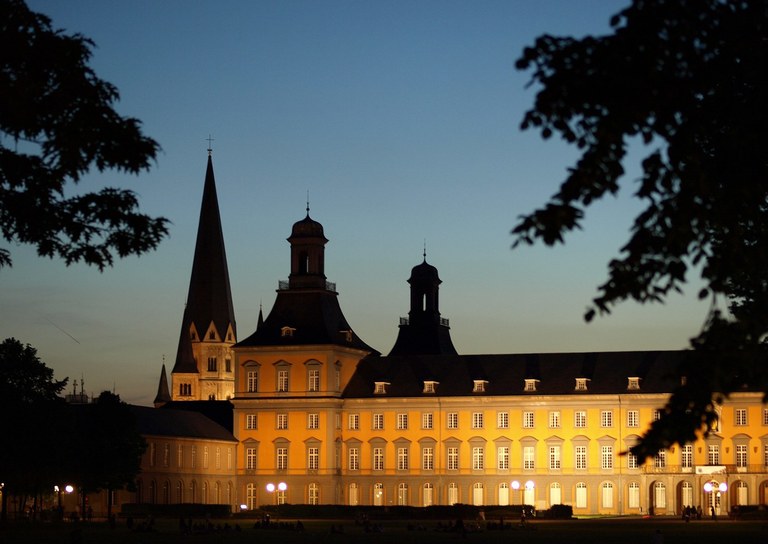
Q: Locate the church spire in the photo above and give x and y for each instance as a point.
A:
(209, 313)
(163, 393)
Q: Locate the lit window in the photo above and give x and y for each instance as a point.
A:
(530, 385)
(554, 458)
(741, 416)
(313, 379)
(581, 384)
(453, 420)
(529, 458)
(478, 458)
(252, 384)
(354, 459)
(453, 458)
(528, 420)
(656, 415)
(378, 422)
(686, 456)
(251, 421)
(741, 455)
(633, 418)
(314, 494)
(402, 421)
(606, 418)
(581, 457)
(633, 384)
(212, 364)
(477, 420)
(313, 421)
(502, 458)
(554, 419)
(282, 380)
(313, 458)
(713, 454)
(502, 420)
(287, 331)
(479, 386)
(660, 459)
(353, 422)
(580, 419)
(402, 458)
(430, 387)
(631, 460)
(765, 416)
(380, 388)
(426, 420)
(378, 458)
(606, 457)
(250, 458)
(427, 458)
(282, 421)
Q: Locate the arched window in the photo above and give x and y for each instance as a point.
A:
(686, 494)
(314, 493)
(353, 494)
(503, 494)
(606, 495)
(453, 493)
(633, 492)
(659, 495)
(741, 493)
(402, 494)
(427, 494)
(555, 494)
(179, 492)
(477, 494)
(250, 496)
(581, 495)
(378, 494)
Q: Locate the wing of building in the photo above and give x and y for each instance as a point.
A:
(318, 409)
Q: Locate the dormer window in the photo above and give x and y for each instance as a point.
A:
(581, 384)
(347, 335)
(479, 386)
(530, 384)
(380, 388)
(287, 331)
(430, 387)
(212, 335)
(633, 383)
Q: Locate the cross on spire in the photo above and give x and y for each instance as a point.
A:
(210, 140)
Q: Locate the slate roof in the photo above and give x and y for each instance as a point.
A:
(608, 373)
(315, 315)
(163, 392)
(178, 423)
(209, 297)
(219, 411)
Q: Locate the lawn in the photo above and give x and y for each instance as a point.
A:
(608, 531)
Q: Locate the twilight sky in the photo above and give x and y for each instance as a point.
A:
(400, 118)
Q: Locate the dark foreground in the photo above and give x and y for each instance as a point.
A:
(592, 531)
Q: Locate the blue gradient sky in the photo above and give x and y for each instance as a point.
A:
(401, 119)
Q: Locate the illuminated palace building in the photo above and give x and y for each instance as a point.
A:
(317, 409)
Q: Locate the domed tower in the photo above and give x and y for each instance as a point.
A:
(307, 254)
(424, 332)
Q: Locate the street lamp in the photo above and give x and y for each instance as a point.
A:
(282, 486)
(516, 486)
(714, 490)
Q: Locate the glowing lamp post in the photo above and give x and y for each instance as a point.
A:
(516, 485)
(282, 486)
(714, 490)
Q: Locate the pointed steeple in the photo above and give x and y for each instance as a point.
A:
(163, 393)
(209, 314)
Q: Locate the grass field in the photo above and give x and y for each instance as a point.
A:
(592, 531)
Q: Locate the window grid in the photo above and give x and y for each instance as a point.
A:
(378, 422)
(580, 419)
(282, 458)
(251, 421)
(402, 458)
(250, 458)
(581, 457)
(314, 379)
(313, 458)
(477, 420)
(378, 458)
(529, 459)
(252, 384)
(606, 418)
(354, 459)
(453, 458)
(353, 422)
(502, 458)
(453, 420)
(426, 420)
(741, 416)
(478, 458)
(313, 421)
(633, 418)
(528, 420)
(713, 454)
(502, 420)
(427, 458)
(741, 455)
(282, 421)
(402, 421)
(686, 456)
(554, 419)
(606, 457)
(554, 458)
(282, 380)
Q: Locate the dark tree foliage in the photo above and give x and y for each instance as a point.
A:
(105, 448)
(33, 419)
(57, 122)
(688, 79)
